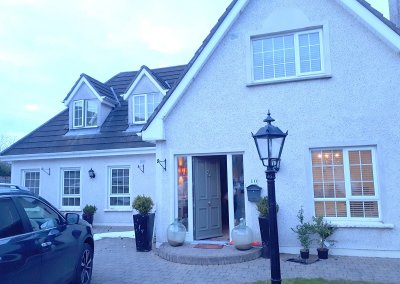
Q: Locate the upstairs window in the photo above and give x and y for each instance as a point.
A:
(85, 113)
(345, 185)
(144, 105)
(287, 56)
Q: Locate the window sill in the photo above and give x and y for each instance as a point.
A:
(278, 81)
(118, 210)
(370, 225)
(69, 210)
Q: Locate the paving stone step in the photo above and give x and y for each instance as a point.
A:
(187, 254)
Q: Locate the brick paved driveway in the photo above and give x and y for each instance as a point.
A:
(116, 262)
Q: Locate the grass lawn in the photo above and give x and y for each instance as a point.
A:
(314, 281)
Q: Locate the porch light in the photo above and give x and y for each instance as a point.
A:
(269, 141)
(91, 173)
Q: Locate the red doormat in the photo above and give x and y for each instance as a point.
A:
(209, 246)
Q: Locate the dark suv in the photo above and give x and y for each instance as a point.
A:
(38, 244)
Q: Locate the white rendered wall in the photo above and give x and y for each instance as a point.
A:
(93, 191)
(357, 106)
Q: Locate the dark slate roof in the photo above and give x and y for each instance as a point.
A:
(380, 16)
(167, 76)
(51, 137)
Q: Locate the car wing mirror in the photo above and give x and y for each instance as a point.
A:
(72, 218)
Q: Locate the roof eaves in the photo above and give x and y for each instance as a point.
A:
(380, 16)
(190, 64)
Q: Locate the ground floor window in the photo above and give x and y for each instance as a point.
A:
(344, 183)
(182, 172)
(119, 187)
(32, 180)
(71, 188)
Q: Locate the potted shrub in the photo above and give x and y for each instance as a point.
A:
(263, 221)
(88, 213)
(303, 231)
(143, 222)
(324, 231)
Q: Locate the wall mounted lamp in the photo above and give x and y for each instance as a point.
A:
(163, 163)
(91, 173)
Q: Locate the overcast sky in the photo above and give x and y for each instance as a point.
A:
(45, 45)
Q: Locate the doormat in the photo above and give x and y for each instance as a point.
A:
(312, 259)
(209, 246)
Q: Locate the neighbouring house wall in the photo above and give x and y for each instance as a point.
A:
(357, 106)
(93, 191)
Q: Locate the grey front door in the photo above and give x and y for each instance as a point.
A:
(207, 197)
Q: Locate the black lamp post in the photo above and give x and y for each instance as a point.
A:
(269, 142)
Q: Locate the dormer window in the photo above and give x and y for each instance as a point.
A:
(85, 113)
(144, 105)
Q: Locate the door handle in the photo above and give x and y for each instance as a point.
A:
(46, 244)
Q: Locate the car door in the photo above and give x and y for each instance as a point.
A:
(20, 255)
(58, 243)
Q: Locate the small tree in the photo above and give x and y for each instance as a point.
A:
(323, 229)
(303, 231)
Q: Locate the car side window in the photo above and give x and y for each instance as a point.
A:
(10, 221)
(41, 216)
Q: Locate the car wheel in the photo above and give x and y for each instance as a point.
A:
(85, 265)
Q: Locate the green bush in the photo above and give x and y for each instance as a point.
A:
(143, 204)
(89, 209)
(303, 230)
(263, 207)
(323, 229)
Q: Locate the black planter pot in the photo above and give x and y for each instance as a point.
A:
(88, 218)
(322, 253)
(144, 225)
(264, 231)
(304, 254)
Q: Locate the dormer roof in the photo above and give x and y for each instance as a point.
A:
(160, 84)
(103, 92)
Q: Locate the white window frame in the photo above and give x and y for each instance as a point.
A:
(298, 74)
(24, 172)
(146, 110)
(348, 198)
(84, 114)
(71, 195)
(110, 194)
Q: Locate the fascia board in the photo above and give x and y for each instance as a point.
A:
(155, 131)
(82, 81)
(373, 22)
(142, 73)
(80, 154)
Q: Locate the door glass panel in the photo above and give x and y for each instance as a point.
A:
(238, 188)
(182, 172)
